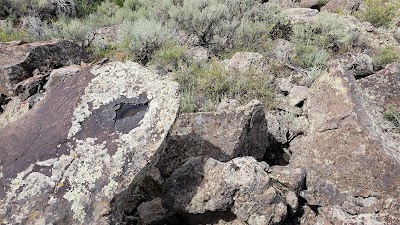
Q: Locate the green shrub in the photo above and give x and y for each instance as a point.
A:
(74, 29)
(169, 56)
(329, 31)
(379, 12)
(309, 56)
(38, 30)
(386, 56)
(10, 34)
(392, 115)
(205, 86)
(143, 37)
(204, 18)
(220, 24)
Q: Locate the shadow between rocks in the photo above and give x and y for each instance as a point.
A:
(183, 158)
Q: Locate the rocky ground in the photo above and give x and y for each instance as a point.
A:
(105, 142)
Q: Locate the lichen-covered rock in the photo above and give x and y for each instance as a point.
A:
(243, 186)
(360, 64)
(346, 151)
(297, 95)
(19, 61)
(75, 157)
(223, 135)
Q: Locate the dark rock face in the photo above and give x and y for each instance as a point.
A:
(383, 87)
(222, 135)
(348, 156)
(82, 148)
(247, 188)
(20, 61)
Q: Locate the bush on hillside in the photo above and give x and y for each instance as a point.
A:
(379, 12)
(221, 24)
(387, 55)
(309, 56)
(203, 87)
(393, 116)
(329, 31)
(143, 41)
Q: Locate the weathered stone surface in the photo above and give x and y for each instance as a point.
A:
(346, 151)
(153, 211)
(222, 135)
(297, 95)
(360, 64)
(383, 87)
(75, 157)
(18, 62)
(244, 62)
(58, 76)
(336, 6)
(308, 3)
(241, 185)
(13, 110)
(284, 126)
(300, 15)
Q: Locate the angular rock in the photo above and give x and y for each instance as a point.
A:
(18, 61)
(346, 150)
(76, 156)
(383, 87)
(308, 3)
(336, 6)
(360, 64)
(297, 95)
(244, 62)
(30, 86)
(222, 135)
(241, 185)
(14, 109)
(150, 212)
(58, 76)
(301, 15)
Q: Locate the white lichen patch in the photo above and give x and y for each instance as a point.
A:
(34, 184)
(88, 173)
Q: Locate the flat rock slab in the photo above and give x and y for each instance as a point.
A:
(222, 135)
(18, 61)
(73, 157)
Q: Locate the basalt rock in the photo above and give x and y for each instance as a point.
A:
(383, 87)
(243, 186)
(75, 157)
(228, 133)
(21, 61)
(348, 156)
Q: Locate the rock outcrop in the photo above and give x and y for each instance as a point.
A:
(75, 156)
(383, 87)
(348, 156)
(33, 61)
(252, 191)
(223, 135)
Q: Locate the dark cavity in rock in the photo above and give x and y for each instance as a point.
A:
(129, 110)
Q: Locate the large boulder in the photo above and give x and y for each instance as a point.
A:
(383, 87)
(247, 188)
(346, 152)
(225, 134)
(75, 157)
(19, 62)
